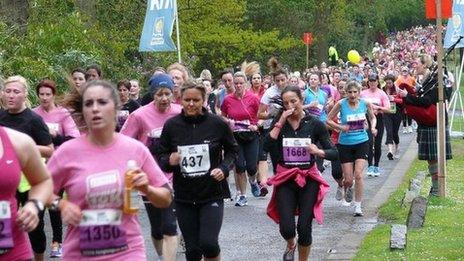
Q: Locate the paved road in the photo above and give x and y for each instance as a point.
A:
(248, 234)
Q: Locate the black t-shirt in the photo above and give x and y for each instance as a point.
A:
(27, 122)
(130, 106)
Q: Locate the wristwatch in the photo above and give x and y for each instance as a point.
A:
(55, 205)
(39, 205)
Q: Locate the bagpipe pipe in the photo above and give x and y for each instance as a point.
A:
(427, 114)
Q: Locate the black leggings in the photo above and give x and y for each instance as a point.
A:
(200, 225)
(406, 120)
(36, 236)
(376, 142)
(290, 197)
(57, 224)
(162, 220)
(392, 126)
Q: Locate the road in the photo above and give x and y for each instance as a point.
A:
(248, 234)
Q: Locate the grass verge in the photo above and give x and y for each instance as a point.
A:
(442, 237)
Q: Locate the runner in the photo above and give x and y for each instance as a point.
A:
(145, 125)
(299, 186)
(240, 110)
(21, 155)
(127, 104)
(353, 142)
(199, 148)
(381, 105)
(179, 74)
(19, 117)
(62, 128)
(392, 120)
(97, 228)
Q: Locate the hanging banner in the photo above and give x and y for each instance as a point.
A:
(455, 27)
(157, 29)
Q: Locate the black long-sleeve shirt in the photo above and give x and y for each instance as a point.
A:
(223, 149)
(310, 127)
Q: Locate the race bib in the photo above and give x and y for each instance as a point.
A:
(122, 116)
(101, 232)
(316, 111)
(53, 126)
(241, 126)
(154, 137)
(356, 122)
(6, 235)
(393, 107)
(194, 159)
(295, 152)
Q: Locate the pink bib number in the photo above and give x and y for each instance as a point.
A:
(295, 152)
(6, 235)
(101, 232)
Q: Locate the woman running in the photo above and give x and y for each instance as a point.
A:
(200, 150)
(146, 125)
(97, 227)
(240, 110)
(299, 186)
(353, 142)
(62, 128)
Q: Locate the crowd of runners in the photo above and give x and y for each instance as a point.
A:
(189, 136)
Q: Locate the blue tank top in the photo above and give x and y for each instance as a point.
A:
(321, 97)
(356, 120)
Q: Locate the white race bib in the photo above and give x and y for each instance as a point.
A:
(53, 126)
(194, 159)
(295, 150)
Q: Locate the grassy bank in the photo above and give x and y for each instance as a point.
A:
(442, 237)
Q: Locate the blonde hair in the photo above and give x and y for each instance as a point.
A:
(21, 80)
(251, 68)
(181, 68)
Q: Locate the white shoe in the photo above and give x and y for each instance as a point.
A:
(410, 129)
(357, 209)
(405, 130)
(345, 204)
(339, 194)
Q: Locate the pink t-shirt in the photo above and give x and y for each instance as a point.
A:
(60, 120)
(378, 97)
(147, 122)
(93, 178)
(14, 242)
(241, 109)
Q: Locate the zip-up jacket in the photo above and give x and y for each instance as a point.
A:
(208, 129)
(310, 127)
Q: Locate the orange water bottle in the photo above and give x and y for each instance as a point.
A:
(131, 195)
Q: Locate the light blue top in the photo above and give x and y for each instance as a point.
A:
(357, 120)
(321, 97)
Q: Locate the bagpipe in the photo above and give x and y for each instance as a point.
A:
(426, 115)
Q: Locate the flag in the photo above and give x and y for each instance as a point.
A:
(158, 25)
(455, 27)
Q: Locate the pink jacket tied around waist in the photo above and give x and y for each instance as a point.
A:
(299, 175)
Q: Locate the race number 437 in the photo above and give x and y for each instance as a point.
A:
(194, 159)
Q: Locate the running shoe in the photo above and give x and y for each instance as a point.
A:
(357, 210)
(390, 156)
(255, 189)
(405, 130)
(349, 194)
(289, 254)
(263, 190)
(370, 171)
(339, 193)
(242, 201)
(56, 250)
(376, 172)
(397, 154)
(410, 129)
(345, 204)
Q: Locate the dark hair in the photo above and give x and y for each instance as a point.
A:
(79, 70)
(95, 67)
(193, 85)
(389, 77)
(46, 83)
(292, 88)
(226, 71)
(125, 82)
(276, 68)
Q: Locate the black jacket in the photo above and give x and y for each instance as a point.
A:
(310, 127)
(204, 129)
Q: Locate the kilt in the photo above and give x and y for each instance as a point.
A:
(427, 141)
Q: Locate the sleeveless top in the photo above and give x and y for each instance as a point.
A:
(356, 119)
(14, 243)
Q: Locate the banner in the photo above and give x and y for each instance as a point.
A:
(455, 27)
(157, 29)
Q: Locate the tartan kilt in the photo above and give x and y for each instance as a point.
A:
(427, 141)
